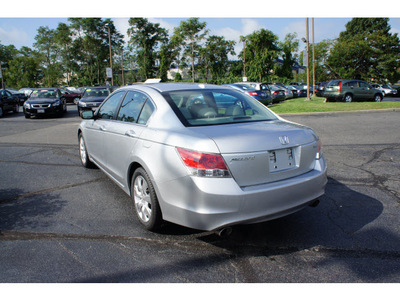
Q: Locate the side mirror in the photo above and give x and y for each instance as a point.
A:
(87, 114)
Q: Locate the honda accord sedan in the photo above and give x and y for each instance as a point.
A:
(202, 156)
(44, 102)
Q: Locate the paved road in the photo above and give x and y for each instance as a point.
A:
(60, 222)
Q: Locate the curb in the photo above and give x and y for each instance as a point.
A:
(341, 112)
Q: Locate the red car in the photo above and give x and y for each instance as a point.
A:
(71, 96)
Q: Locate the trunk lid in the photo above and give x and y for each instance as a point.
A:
(263, 152)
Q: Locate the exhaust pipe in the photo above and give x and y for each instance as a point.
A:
(314, 203)
(224, 232)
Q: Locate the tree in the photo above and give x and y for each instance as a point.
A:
(24, 69)
(48, 50)
(214, 56)
(367, 50)
(91, 47)
(144, 39)
(289, 47)
(261, 52)
(190, 35)
(62, 36)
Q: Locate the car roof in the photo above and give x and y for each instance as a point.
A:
(167, 87)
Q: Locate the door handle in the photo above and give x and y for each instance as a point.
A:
(102, 128)
(130, 133)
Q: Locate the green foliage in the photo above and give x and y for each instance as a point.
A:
(366, 50)
(190, 34)
(260, 54)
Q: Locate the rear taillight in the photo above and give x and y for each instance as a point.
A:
(252, 94)
(275, 93)
(204, 164)
(340, 86)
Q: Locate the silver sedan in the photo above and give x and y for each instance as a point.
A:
(202, 156)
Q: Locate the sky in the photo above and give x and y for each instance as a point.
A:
(19, 27)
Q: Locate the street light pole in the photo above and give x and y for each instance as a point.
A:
(308, 63)
(313, 56)
(109, 44)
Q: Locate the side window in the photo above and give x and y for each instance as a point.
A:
(131, 107)
(109, 107)
(364, 85)
(146, 113)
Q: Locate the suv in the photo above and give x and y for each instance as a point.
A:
(351, 90)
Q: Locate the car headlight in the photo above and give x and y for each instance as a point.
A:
(57, 103)
(83, 104)
(27, 105)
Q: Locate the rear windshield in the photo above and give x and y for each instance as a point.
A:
(214, 107)
(334, 83)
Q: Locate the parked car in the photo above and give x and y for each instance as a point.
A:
(260, 95)
(386, 89)
(71, 96)
(44, 102)
(26, 91)
(277, 92)
(202, 156)
(258, 86)
(319, 91)
(8, 102)
(301, 91)
(288, 92)
(92, 98)
(351, 90)
(21, 96)
(294, 91)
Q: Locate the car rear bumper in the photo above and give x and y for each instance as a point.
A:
(211, 203)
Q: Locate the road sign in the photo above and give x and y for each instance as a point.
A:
(109, 72)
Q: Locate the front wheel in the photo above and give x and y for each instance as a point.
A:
(378, 98)
(83, 154)
(145, 200)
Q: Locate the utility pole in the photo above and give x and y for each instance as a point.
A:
(109, 43)
(308, 63)
(122, 65)
(313, 56)
(244, 58)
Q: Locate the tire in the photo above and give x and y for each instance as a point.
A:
(76, 100)
(145, 200)
(83, 154)
(348, 98)
(378, 98)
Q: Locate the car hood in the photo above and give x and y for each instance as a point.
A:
(257, 136)
(93, 99)
(42, 101)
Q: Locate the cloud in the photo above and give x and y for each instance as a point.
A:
(14, 37)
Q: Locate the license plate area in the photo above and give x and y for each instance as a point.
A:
(40, 111)
(281, 160)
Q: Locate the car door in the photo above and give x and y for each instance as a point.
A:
(124, 133)
(96, 130)
(366, 90)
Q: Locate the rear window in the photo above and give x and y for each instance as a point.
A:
(334, 83)
(214, 107)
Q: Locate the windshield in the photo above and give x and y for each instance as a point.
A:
(214, 107)
(95, 93)
(50, 94)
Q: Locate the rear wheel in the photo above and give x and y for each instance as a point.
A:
(145, 200)
(348, 98)
(378, 98)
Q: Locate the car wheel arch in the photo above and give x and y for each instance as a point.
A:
(348, 94)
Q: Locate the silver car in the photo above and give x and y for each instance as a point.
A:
(202, 156)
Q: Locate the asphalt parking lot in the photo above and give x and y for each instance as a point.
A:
(60, 222)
